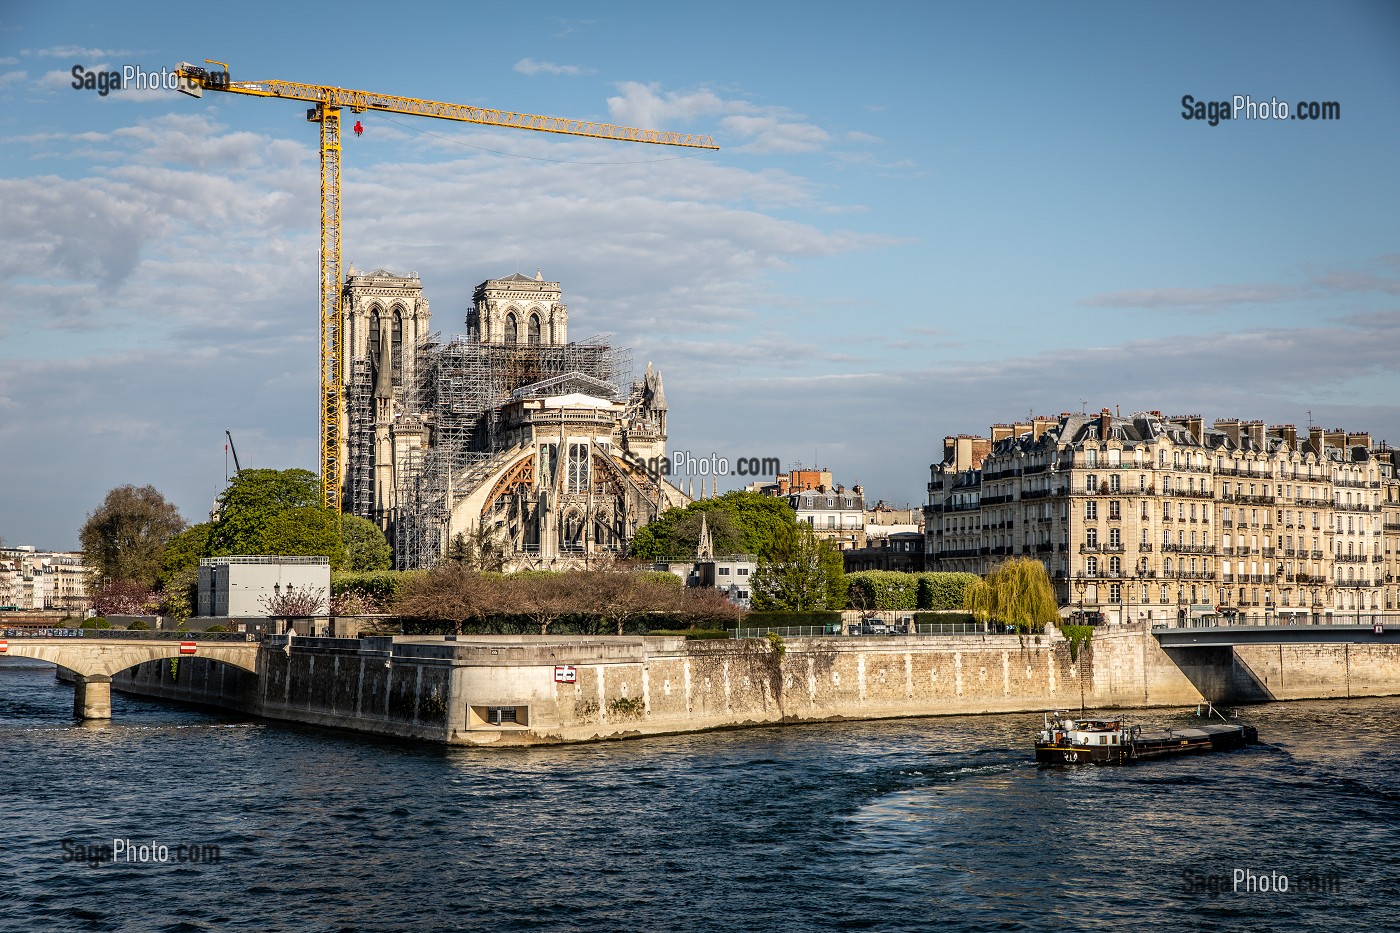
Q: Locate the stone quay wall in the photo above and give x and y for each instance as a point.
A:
(525, 690)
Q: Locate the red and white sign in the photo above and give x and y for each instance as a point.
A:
(188, 647)
(565, 675)
(4, 646)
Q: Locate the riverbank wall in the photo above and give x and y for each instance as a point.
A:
(526, 690)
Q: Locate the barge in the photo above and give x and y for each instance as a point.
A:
(1066, 741)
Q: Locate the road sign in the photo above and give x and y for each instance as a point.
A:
(1378, 629)
(188, 647)
(4, 646)
(565, 675)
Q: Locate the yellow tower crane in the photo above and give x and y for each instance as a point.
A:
(329, 101)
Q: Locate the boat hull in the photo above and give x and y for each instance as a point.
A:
(1146, 745)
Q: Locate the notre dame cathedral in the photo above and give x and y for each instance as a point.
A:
(510, 427)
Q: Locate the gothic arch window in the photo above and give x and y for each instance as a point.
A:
(374, 335)
(512, 328)
(396, 348)
(572, 530)
(534, 330)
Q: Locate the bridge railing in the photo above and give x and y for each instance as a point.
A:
(130, 635)
(1349, 619)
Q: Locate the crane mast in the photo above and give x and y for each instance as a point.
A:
(329, 102)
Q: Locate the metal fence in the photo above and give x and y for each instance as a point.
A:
(855, 630)
(130, 635)
(1349, 619)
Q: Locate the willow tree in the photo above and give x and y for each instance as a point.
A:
(1016, 592)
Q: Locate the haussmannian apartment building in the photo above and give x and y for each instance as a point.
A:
(1161, 518)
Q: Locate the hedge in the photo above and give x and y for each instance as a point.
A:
(780, 619)
(378, 586)
(893, 590)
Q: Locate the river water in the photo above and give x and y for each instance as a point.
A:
(920, 824)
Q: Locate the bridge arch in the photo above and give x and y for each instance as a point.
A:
(94, 662)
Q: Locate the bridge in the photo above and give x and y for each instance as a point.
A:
(94, 655)
(1370, 630)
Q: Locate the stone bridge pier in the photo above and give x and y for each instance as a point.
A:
(93, 661)
(92, 696)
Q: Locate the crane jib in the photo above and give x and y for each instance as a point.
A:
(329, 101)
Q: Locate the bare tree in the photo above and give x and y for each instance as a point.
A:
(451, 592)
(544, 597)
(308, 601)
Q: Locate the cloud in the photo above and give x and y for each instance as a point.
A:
(11, 78)
(1194, 299)
(529, 66)
(759, 129)
(162, 287)
(75, 52)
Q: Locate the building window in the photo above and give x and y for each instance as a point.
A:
(534, 330)
(578, 468)
(1115, 538)
(1091, 484)
(1091, 509)
(1114, 508)
(396, 349)
(1114, 482)
(1091, 566)
(743, 571)
(1115, 566)
(1091, 458)
(1091, 537)
(512, 329)
(1115, 592)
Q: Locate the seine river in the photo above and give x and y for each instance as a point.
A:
(914, 825)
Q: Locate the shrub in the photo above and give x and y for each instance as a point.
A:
(781, 619)
(140, 625)
(217, 628)
(943, 590)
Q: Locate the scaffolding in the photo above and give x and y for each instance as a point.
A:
(359, 410)
(459, 396)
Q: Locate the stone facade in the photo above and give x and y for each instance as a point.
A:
(1163, 518)
(34, 579)
(511, 429)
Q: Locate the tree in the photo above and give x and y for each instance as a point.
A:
(1017, 592)
(308, 601)
(182, 552)
(802, 573)
(366, 548)
(450, 592)
(543, 596)
(307, 531)
(620, 597)
(252, 500)
(740, 522)
(124, 598)
(124, 537)
(478, 549)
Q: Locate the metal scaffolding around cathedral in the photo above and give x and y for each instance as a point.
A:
(510, 425)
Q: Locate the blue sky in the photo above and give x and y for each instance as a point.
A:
(924, 218)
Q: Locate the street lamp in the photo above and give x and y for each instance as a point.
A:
(1080, 585)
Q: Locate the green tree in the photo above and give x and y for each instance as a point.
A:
(252, 500)
(478, 549)
(1017, 592)
(307, 531)
(124, 538)
(740, 522)
(182, 552)
(366, 548)
(801, 573)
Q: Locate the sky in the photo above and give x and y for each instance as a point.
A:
(923, 219)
